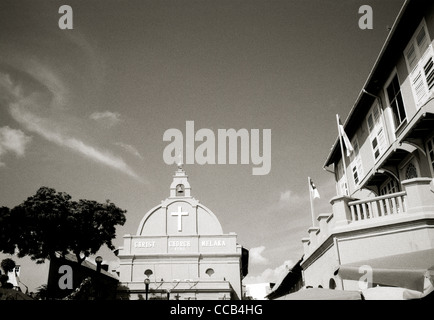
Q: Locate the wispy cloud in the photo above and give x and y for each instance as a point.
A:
(288, 201)
(8, 89)
(129, 148)
(21, 109)
(270, 274)
(13, 140)
(106, 117)
(42, 127)
(46, 77)
(256, 257)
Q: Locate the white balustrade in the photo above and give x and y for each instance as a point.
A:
(378, 207)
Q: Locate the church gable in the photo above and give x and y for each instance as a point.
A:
(180, 214)
(179, 217)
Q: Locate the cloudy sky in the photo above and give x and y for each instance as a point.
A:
(84, 111)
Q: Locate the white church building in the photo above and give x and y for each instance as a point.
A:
(180, 252)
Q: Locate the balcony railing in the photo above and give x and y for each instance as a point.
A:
(378, 207)
(414, 203)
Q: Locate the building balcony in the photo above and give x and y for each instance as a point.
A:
(362, 216)
(378, 207)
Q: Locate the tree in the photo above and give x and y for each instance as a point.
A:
(4, 282)
(94, 225)
(8, 265)
(6, 227)
(50, 222)
(42, 292)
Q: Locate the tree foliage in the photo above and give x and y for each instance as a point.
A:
(49, 222)
(6, 224)
(42, 292)
(4, 281)
(8, 265)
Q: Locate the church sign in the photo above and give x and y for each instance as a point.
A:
(213, 243)
(144, 244)
(186, 244)
(180, 245)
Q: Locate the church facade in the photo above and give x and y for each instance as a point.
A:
(180, 252)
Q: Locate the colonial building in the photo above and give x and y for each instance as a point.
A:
(383, 214)
(181, 251)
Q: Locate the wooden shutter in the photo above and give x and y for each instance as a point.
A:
(377, 135)
(419, 57)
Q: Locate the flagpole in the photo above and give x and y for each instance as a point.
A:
(311, 202)
(342, 151)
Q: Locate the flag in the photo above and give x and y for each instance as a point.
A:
(344, 136)
(313, 189)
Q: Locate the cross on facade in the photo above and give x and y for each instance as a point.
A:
(179, 213)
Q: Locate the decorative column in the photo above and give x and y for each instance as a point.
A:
(341, 210)
(420, 197)
(323, 226)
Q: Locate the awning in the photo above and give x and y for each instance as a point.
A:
(391, 293)
(322, 294)
(408, 270)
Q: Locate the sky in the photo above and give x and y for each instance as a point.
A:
(84, 110)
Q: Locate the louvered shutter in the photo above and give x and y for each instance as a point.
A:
(376, 132)
(419, 56)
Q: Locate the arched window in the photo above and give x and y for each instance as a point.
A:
(411, 171)
(390, 187)
(179, 190)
